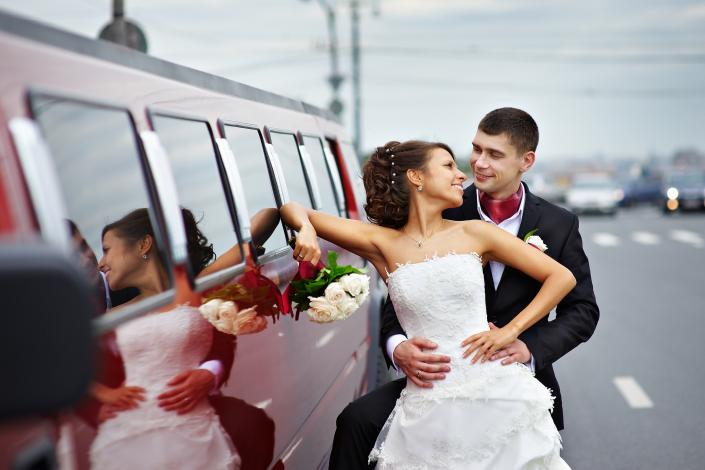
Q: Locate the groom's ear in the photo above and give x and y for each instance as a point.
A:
(528, 160)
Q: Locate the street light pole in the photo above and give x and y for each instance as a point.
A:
(357, 111)
(335, 79)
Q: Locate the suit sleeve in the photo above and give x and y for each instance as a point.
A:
(576, 315)
(223, 350)
(389, 326)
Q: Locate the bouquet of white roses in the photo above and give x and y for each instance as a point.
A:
(334, 294)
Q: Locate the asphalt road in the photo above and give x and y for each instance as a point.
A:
(634, 395)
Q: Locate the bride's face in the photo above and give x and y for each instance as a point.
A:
(120, 262)
(442, 179)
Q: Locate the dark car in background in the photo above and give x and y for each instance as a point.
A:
(683, 191)
(642, 190)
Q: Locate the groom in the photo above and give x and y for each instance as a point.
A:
(503, 149)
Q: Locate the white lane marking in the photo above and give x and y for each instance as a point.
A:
(605, 239)
(686, 236)
(632, 392)
(646, 238)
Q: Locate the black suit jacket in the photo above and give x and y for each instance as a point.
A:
(576, 315)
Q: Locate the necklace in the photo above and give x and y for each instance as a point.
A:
(419, 243)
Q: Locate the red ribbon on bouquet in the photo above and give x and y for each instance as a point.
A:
(253, 280)
(306, 271)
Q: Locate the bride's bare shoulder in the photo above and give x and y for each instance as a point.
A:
(474, 227)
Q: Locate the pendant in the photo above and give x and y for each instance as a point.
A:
(419, 244)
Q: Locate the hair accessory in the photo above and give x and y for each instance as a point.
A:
(391, 157)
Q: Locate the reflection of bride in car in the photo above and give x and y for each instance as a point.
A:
(159, 346)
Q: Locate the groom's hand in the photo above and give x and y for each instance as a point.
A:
(421, 367)
(516, 351)
(186, 390)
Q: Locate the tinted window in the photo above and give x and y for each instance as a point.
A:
(248, 149)
(194, 164)
(288, 152)
(355, 173)
(99, 167)
(314, 146)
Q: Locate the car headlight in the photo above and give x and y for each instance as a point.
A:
(672, 193)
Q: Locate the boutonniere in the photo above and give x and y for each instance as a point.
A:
(535, 240)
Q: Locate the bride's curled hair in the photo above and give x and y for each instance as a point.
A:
(386, 184)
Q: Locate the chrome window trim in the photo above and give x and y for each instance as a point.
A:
(120, 315)
(278, 173)
(337, 184)
(167, 194)
(234, 179)
(311, 176)
(42, 183)
(219, 277)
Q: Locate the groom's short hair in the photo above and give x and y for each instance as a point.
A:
(519, 126)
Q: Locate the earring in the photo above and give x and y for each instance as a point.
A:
(145, 257)
(419, 188)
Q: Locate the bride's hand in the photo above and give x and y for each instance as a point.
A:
(306, 247)
(485, 344)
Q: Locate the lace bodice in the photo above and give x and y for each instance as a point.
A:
(442, 299)
(158, 346)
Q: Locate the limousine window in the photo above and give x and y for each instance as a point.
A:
(323, 174)
(194, 164)
(355, 172)
(99, 168)
(248, 148)
(288, 152)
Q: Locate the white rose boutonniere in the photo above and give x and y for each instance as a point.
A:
(535, 240)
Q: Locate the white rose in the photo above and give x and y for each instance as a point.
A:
(536, 241)
(209, 310)
(321, 310)
(346, 307)
(227, 317)
(335, 292)
(362, 297)
(354, 283)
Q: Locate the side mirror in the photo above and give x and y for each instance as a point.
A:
(47, 354)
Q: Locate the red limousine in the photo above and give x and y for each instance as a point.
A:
(92, 132)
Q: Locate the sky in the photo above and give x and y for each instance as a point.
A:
(604, 79)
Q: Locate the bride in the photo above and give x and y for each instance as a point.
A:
(483, 415)
(155, 348)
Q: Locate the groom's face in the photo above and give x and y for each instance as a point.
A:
(497, 164)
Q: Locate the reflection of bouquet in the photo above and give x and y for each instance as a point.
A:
(334, 294)
(221, 310)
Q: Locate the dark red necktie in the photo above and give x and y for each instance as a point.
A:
(500, 210)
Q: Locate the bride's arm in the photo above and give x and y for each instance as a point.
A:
(353, 235)
(556, 280)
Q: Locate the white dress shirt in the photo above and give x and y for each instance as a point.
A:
(510, 225)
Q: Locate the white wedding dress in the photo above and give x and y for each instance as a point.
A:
(155, 348)
(482, 416)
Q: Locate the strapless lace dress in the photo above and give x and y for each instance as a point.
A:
(482, 416)
(155, 348)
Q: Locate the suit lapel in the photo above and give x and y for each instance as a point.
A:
(532, 214)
